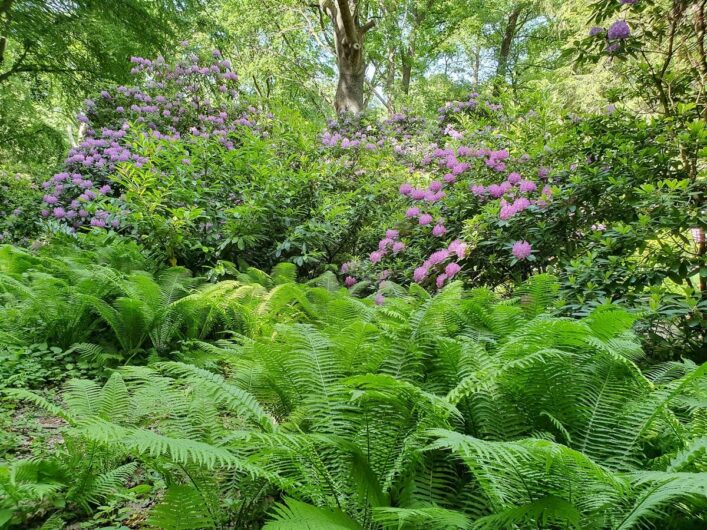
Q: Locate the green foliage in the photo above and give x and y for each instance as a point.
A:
(20, 201)
(453, 411)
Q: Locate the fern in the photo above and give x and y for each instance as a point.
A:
(296, 515)
(181, 508)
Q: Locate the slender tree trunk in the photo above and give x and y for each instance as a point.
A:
(477, 66)
(390, 72)
(349, 47)
(5, 6)
(506, 44)
(406, 66)
(405, 82)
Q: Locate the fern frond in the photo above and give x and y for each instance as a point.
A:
(181, 508)
(296, 515)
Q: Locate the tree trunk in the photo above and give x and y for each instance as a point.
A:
(477, 66)
(349, 89)
(349, 47)
(5, 6)
(406, 66)
(405, 82)
(507, 43)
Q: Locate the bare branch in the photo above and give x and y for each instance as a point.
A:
(368, 26)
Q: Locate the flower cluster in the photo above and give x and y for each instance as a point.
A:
(467, 168)
(193, 99)
(350, 132)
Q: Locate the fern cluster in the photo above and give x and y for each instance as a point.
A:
(322, 410)
(111, 306)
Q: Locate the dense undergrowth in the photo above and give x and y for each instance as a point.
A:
(476, 306)
(258, 400)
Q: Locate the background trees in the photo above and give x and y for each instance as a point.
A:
(52, 54)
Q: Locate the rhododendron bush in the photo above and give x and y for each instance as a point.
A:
(493, 195)
(182, 162)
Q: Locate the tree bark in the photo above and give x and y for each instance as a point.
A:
(506, 44)
(477, 66)
(349, 48)
(406, 68)
(5, 6)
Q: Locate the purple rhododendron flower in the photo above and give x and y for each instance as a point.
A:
(412, 212)
(514, 178)
(384, 244)
(619, 30)
(450, 178)
(527, 186)
(440, 280)
(452, 269)
(596, 30)
(521, 250)
(439, 230)
(350, 281)
(425, 219)
(435, 186)
(418, 195)
(376, 256)
(379, 299)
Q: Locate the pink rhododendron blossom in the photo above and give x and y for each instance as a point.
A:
(440, 280)
(412, 212)
(439, 230)
(495, 191)
(350, 281)
(452, 269)
(521, 250)
(458, 247)
(384, 243)
(425, 219)
(420, 274)
(478, 190)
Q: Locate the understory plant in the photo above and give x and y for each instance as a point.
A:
(457, 410)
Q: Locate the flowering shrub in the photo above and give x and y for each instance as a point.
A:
(594, 204)
(184, 165)
(191, 100)
(462, 173)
